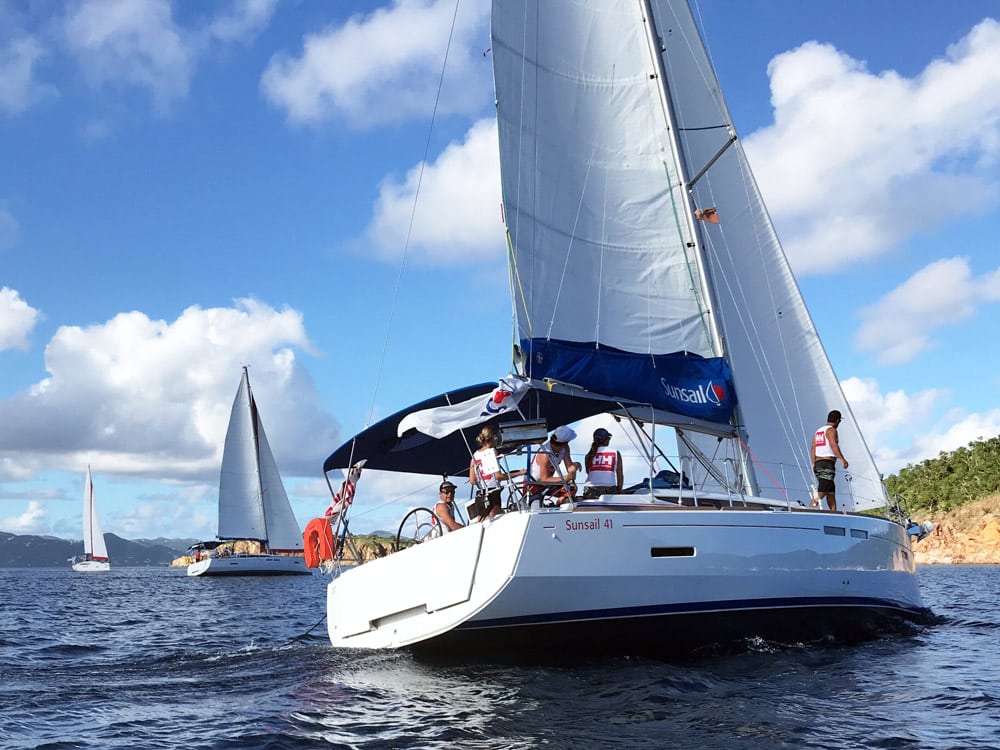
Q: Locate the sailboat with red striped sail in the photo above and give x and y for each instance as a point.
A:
(95, 553)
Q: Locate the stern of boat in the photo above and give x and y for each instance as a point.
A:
(427, 589)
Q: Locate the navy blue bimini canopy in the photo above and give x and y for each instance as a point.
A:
(418, 453)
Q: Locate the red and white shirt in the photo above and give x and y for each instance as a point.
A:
(821, 440)
(603, 468)
(486, 468)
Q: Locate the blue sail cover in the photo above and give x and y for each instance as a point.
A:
(682, 383)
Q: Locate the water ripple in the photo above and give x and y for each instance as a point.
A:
(149, 658)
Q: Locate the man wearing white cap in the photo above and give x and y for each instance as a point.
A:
(550, 455)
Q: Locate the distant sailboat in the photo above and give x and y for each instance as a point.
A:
(95, 553)
(252, 503)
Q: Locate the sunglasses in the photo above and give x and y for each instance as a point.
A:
(447, 492)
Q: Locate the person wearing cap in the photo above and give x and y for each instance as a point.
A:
(824, 451)
(552, 454)
(486, 475)
(604, 467)
(445, 508)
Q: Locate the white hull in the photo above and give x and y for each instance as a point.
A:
(605, 575)
(92, 566)
(249, 565)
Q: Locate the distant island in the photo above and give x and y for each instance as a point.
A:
(33, 551)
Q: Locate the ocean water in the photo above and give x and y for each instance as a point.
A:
(147, 658)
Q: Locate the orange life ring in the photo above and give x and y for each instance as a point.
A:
(318, 542)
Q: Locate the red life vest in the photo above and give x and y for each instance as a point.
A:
(603, 468)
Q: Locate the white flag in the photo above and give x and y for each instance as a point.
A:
(444, 420)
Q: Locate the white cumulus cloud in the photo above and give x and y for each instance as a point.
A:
(856, 161)
(458, 214)
(17, 319)
(152, 397)
(34, 519)
(386, 66)
(122, 43)
(887, 419)
(902, 324)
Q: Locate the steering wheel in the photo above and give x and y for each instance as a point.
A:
(417, 526)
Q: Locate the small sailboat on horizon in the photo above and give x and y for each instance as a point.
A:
(95, 553)
(253, 505)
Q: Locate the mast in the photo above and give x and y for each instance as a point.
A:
(88, 503)
(254, 424)
(696, 245)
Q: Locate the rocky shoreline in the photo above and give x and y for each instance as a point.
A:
(969, 535)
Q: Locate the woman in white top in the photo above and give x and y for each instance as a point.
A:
(485, 473)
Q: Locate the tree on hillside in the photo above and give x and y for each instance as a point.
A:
(952, 479)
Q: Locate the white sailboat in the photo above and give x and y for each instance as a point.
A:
(649, 285)
(253, 505)
(95, 553)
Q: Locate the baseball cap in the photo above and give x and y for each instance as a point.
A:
(446, 485)
(600, 434)
(563, 434)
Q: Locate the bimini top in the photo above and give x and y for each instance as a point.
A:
(416, 452)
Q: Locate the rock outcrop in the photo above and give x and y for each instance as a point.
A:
(969, 535)
(234, 548)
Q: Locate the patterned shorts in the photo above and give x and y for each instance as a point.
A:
(825, 469)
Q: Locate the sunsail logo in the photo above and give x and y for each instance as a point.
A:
(704, 394)
(498, 402)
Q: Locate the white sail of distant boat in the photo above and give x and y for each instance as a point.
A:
(253, 505)
(649, 286)
(95, 553)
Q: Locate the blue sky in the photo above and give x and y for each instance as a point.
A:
(189, 187)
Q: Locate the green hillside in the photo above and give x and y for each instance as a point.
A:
(950, 480)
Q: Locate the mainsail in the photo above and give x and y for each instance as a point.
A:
(619, 288)
(252, 499)
(93, 537)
